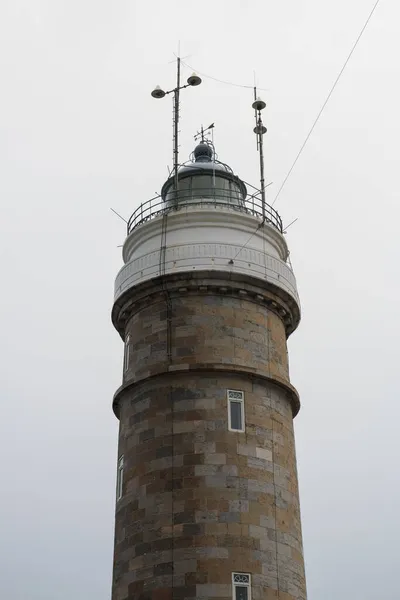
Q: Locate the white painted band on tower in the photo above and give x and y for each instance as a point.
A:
(206, 238)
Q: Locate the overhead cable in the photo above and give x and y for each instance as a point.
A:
(327, 100)
(220, 80)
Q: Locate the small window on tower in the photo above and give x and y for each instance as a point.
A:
(126, 353)
(241, 586)
(120, 477)
(236, 410)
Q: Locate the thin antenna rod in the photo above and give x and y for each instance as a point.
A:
(213, 158)
(287, 227)
(176, 126)
(262, 178)
(118, 215)
(255, 98)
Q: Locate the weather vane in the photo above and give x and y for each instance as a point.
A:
(200, 134)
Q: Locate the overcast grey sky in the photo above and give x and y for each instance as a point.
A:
(79, 133)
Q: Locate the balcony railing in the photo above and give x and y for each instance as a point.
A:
(252, 205)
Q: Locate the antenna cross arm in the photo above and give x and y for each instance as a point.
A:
(182, 87)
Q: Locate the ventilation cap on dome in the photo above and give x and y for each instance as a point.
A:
(203, 153)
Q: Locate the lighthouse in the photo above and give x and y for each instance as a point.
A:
(207, 501)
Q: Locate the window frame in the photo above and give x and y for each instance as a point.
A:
(120, 477)
(127, 353)
(242, 412)
(241, 584)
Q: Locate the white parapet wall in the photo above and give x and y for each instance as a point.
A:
(206, 239)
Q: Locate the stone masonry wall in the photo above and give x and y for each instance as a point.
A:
(200, 502)
(207, 330)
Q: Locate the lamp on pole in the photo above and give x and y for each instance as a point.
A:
(260, 130)
(192, 81)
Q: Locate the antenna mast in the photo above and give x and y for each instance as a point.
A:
(176, 127)
(192, 81)
(260, 130)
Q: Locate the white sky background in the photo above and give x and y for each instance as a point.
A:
(79, 133)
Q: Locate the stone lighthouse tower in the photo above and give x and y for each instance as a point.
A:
(207, 500)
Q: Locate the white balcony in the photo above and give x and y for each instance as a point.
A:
(206, 238)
